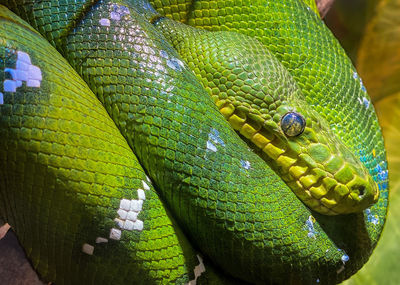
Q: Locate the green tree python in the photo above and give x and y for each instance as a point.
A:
(119, 159)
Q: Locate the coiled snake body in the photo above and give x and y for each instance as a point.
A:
(81, 131)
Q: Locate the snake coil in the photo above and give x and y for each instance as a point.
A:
(116, 166)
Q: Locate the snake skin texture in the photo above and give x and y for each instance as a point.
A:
(71, 164)
(69, 168)
(328, 80)
(254, 92)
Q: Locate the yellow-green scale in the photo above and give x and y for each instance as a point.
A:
(177, 9)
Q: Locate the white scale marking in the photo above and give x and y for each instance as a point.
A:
(101, 240)
(128, 213)
(213, 140)
(105, 22)
(364, 101)
(122, 214)
(115, 234)
(175, 64)
(24, 71)
(87, 248)
(245, 164)
(115, 16)
(145, 186)
(140, 192)
(116, 12)
(132, 216)
(312, 233)
(211, 146)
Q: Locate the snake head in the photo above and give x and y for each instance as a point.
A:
(318, 166)
(300, 145)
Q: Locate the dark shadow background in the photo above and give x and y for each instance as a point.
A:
(15, 269)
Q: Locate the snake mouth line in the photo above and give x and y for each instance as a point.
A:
(329, 185)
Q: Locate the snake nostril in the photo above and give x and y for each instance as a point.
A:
(361, 191)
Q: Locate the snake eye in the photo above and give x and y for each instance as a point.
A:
(293, 124)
